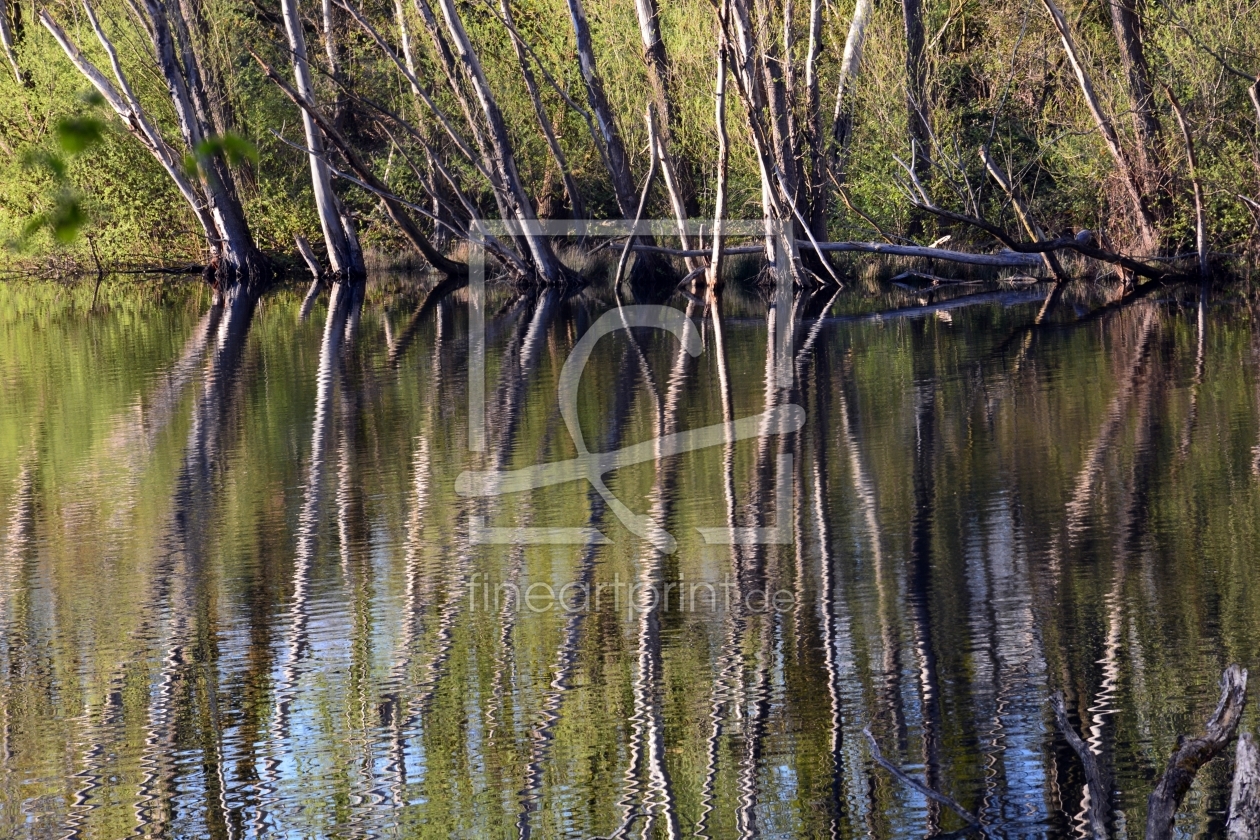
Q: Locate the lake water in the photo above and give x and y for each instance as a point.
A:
(241, 596)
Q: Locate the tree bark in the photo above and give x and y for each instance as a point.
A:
(1126, 25)
(719, 201)
(1244, 800)
(1145, 219)
(344, 253)
(393, 206)
(544, 122)
(544, 259)
(916, 86)
(661, 75)
(211, 194)
(615, 150)
(1193, 753)
(1192, 161)
(842, 116)
(6, 40)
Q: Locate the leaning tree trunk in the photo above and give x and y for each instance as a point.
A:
(544, 122)
(1141, 210)
(678, 179)
(842, 116)
(545, 263)
(6, 40)
(210, 193)
(916, 89)
(615, 150)
(344, 254)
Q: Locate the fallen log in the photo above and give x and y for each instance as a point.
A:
(1002, 259)
(1193, 753)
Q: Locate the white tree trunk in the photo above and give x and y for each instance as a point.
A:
(344, 254)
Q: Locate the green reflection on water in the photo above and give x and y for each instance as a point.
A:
(209, 627)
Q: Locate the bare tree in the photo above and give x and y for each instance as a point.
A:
(211, 191)
(344, 254)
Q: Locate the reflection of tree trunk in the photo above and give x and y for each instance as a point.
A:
(919, 587)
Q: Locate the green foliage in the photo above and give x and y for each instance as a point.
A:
(996, 77)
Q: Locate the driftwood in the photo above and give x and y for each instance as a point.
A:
(911, 782)
(1193, 753)
(1099, 789)
(1244, 800)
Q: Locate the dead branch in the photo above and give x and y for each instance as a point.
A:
(915, 784)
(1096, 783)
(1244, 799)
(1200, 215)
(1193, 753)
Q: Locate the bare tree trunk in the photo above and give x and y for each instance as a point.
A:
(1200, 213)
(1193, 752)
(544, 259)
(211, 193)
(1145, 220)
(182, 73)
(544, 122)
(1244, 800)
(661, 75)
(850, 63)
(344, 254)
(451, 71)
(842, 116)
(6, 40)
(368, 179)
(916, 87)
(719, 201)
(1127, 28)
(615, 150)
(1034, 230)
(813, 112)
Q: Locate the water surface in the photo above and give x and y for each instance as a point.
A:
(241, 597)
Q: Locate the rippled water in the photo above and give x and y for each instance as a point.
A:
(241, 597)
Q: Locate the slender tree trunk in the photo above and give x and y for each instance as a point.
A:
(544, 259)
(1192, 162)
(1127, 28)
(813, 112)
(344, 254)
(6, 40)
(211, 193)
(850, 64)
(615, 149)
(181, 69)
(1145, 219)
(916, 87)
(719, 201)
(544, 122)
(661, 75)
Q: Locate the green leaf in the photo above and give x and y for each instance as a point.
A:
(66, 219)
(77, 134)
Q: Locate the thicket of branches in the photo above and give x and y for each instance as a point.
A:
(228, 132)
